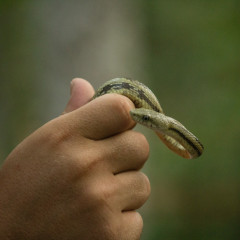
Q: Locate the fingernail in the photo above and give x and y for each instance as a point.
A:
(71, 87)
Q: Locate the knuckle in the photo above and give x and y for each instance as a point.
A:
(138, 220)
(129, 227)
(132, 228)
(101, 194)
(139, 225)
(145, 185)
(122, 106)
(57, 132)
(85, 163)
(59, 137)
(105, 193)
(142, 146)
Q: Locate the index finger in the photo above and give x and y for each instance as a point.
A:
(103, 117)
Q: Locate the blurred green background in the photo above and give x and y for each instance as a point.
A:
(187, 52)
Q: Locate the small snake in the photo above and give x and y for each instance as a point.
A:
(149, 113)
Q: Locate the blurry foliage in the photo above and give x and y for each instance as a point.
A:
(5, 4)
(189, 56)
(17, 73)
(193, 62)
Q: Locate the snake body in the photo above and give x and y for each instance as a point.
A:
(149, 113)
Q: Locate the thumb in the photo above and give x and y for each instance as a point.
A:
(81, 93)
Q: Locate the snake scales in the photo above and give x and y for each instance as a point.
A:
(149, 113)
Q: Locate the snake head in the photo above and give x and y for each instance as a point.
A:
(149, 118)
(173, 134)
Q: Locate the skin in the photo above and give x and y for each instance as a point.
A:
(78, 176)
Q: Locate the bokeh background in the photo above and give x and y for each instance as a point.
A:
(187, 52)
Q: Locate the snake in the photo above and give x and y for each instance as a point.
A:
(149, 113)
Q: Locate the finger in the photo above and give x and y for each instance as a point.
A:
(81, 93)
(127, 151)
(134, 190)
(103, 117)
(132, 225)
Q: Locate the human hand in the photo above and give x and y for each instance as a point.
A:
(77, 177)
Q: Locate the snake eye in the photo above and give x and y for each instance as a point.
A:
(145, 117)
